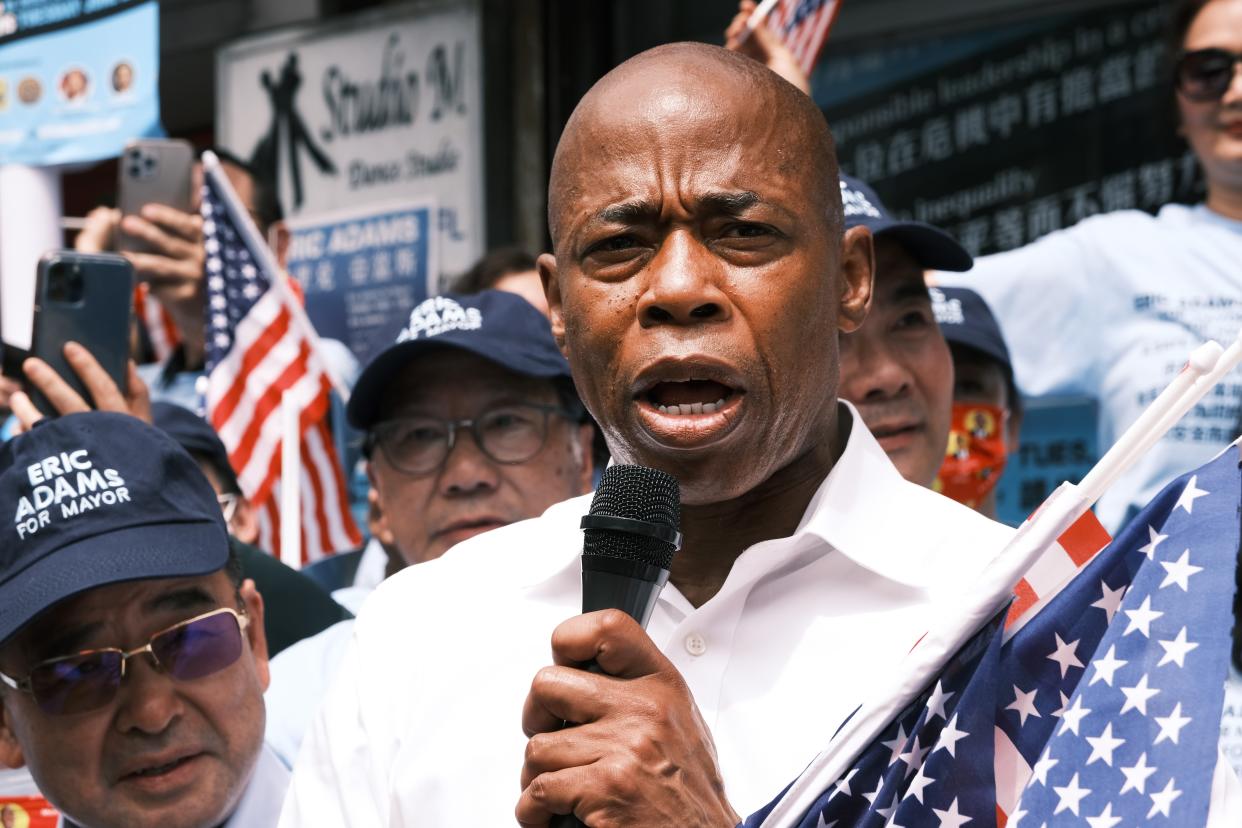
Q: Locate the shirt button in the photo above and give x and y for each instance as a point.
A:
(695, 644)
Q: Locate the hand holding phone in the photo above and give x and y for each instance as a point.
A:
(62, 398)
(153, 172)
(83, 298)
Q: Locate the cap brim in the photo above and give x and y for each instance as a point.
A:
(364, 401)
(165, 550)
(930, 246)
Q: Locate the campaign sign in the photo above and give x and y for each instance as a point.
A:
(78, 79)
(363, 270)
(378, 107)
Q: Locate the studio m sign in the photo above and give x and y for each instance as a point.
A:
(362, 110)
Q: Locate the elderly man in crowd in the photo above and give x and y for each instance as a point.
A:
(897, 368)
(471, 423)
(700, 281)
(132, 655)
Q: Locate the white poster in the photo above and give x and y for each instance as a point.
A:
(362, 110)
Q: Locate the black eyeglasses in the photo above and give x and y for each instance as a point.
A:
(508, 434)
(1204, 75)
(86, 681)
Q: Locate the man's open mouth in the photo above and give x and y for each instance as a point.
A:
(687, 397)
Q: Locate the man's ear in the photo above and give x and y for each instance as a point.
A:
(857, 278)
(377, 521)
(546, 264)
(1013, 428)
(11, 754)
(278, 239)
(255, 631)
(245, 522)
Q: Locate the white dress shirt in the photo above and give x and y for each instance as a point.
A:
(423, 724)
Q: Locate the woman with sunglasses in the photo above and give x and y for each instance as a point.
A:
(1111, 307)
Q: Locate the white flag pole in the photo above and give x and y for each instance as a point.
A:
(992, 589)
(756, 19)
(1178, 398)
(290, 481)
(267, 261)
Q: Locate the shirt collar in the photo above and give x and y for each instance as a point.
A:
(868, 512)
(864, 509)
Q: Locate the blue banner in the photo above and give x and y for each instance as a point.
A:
(363, 271)
(1058, 443)
(78, 79)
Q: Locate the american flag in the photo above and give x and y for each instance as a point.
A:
(803, 26)
(261, 346)
(156, 321)
(1099, 705)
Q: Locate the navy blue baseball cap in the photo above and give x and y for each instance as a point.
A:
(99, 498)
(930, 246)
(191, 432)
(965, 319)
(498, 326)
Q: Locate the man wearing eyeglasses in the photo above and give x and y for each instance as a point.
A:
(132, 654)
(471, 423)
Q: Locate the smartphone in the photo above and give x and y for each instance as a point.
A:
(86, 298)
(153, 170)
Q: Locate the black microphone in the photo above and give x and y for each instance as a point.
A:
(632, 531)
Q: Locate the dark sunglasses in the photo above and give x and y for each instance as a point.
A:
(1204, 75)
(79, 683)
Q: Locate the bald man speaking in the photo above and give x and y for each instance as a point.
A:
(700, 281)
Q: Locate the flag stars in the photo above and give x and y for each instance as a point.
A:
(1066, 655)
(1104, 819)
(1163, 800)
(1141, 618)
(1136, 775)
(1102, 746)
(1171, 725)
(887, 813)
(1138, 696)
(1069, 796)
(950, 736)
(1154, 540)
(1179, 572)
(1110, 600)
(844, 785)
(896, 744)
(951, 817)
(1189, 495)
(1024, 703)
(920, 781)
(914, 756)
(1040, 772)
(1106, 667)
(1176, 649)
(935, 704)
(1072, 718)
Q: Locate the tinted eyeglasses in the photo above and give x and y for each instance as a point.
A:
(89, 680)
(1204, 75)
(507, 434)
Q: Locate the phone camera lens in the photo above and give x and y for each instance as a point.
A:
(65, 285)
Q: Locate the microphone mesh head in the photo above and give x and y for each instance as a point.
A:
(637, 493)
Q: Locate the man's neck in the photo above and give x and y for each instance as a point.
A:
(716, 534)
(1225, 201)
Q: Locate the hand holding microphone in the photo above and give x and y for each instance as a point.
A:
(637, 752)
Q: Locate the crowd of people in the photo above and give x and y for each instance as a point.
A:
(836, 390)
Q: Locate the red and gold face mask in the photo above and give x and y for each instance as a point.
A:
(975, 456)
